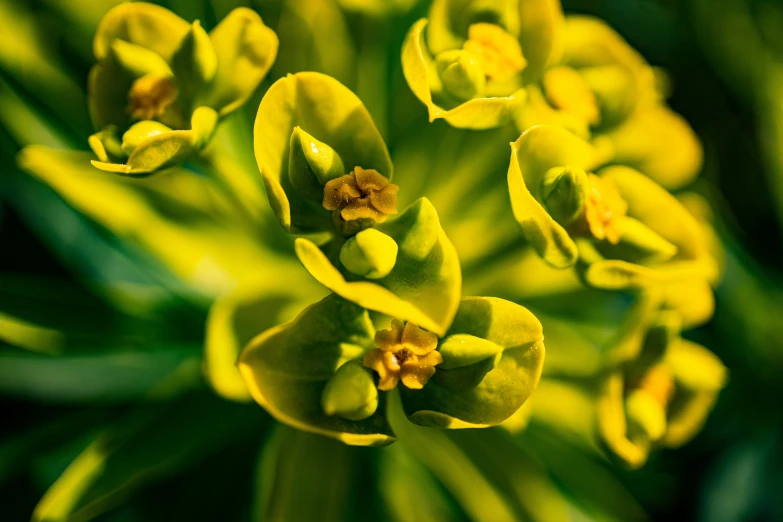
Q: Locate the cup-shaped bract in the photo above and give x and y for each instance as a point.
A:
(629, 233)
(658, 388)
(288, 368)
(315, 109)
(469, 61)
(424, 285)
(155, 69)
(493, 355)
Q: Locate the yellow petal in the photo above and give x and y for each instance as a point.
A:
(339, 191)
(418, 341)
(390, 340)
(369, 179)
(385, 200)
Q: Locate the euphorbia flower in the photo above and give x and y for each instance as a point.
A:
(471, 66)
(406, 353)
(658, 388)
(623, 228)
(161, 84)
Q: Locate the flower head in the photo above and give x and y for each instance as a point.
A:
(405, 352)
(360, 199)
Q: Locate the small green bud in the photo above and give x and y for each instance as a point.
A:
(350, 393)
(465, 377)
(645, 415)
(462, 74)
(139, 61)
(311, 164)
(563, 193)
(370, 253)
(140, 132)
(461, 350)
(195, 62)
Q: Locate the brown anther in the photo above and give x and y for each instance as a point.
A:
(151, 96)
(364, 196)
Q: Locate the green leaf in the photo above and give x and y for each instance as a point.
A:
(148, 444)
(423, 287)
(638, 244)
(462, 477)
(420, 73)
(660, 143)
(536, 152)
(411, 493)
(295, 465)
(331, 113)
(541, 35)
(238, 316)
(505, 388)
(245, 50)
(197, 237)
(139, 23)
(114, 377)
(287, 367)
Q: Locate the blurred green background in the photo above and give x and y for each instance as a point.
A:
(724, 60)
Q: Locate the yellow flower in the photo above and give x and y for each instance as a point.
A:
(603, 207)
(364, 195)
(405, 352)
(151, 96)
(498, 52)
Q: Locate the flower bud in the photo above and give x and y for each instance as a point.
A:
(563, 193)
(370, 253)
(645, 415)
(461, 74)
(462, 350)
(350, 393)
(139, 132)
(466, 360)
(311, 164)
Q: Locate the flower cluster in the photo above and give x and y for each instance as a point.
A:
(586, 224)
